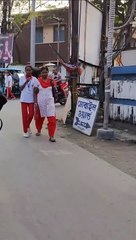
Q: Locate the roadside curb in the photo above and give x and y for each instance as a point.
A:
(124, 136)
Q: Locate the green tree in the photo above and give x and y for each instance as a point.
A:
(6, 7)
(122, 9)
(15, 22)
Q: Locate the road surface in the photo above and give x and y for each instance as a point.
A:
(58, 191)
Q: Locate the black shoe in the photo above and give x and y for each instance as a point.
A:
(51, 139)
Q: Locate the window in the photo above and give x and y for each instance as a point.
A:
(61, 34)
(39, 35)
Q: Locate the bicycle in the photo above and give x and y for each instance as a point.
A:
(1, 123)
(3, 101)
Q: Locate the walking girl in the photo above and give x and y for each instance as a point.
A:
(8, 85)
(44, 104)
(27, 84)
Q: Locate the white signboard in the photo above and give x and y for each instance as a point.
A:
(85, 115)
(90, 19)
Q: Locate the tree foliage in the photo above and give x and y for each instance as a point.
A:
(122, 9)
(14, 19)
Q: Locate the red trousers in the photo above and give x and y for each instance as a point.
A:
(27, 115)
(51, 123)
(9, 93)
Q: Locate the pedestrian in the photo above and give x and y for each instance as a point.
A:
(44, 104)
(74, 71)
(2, 82)
(72, 68)
(9, 85)
(56, 76)
(27, 84)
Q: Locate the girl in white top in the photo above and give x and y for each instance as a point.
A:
(45, 104)
(8, 85)
(27, 84)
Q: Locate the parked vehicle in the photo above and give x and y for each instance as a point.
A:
(16, 74)
(62, 92)
(61, 87)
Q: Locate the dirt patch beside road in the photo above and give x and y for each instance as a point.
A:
(121, 154)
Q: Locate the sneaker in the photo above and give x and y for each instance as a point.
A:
(26, 135)
(52, 139)
(29, 131)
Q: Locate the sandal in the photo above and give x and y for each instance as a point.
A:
(38, 134)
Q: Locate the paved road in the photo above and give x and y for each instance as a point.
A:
(59, 191)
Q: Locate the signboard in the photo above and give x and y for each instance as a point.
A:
(6, 48)
(85, 115)
(90, 19)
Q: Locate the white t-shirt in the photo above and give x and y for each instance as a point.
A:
(8, 81)
(27, 94)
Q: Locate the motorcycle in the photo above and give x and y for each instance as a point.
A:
(61, 88)
(61, 92)
(16, 89)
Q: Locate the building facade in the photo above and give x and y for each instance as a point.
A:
(52, 28)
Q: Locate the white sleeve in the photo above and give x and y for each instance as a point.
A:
(21, 80)
(10, 81)
(36, 82)
(5, 79)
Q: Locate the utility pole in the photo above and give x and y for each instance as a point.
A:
(103, 36)
(75, 7)
(58, 43)
(32, 38)
(109, 63)
(74, 53)
(107, 133)
(103, 48)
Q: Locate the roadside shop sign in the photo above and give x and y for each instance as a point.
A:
(85, 115)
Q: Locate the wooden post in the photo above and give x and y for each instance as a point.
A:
(103, 48)
(74, 53)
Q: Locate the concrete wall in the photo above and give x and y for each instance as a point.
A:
(88, 74)
(128, 58)
(123, 94)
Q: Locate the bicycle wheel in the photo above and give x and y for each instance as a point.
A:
(1, 124)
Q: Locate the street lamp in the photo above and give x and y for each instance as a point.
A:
(59, 20)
